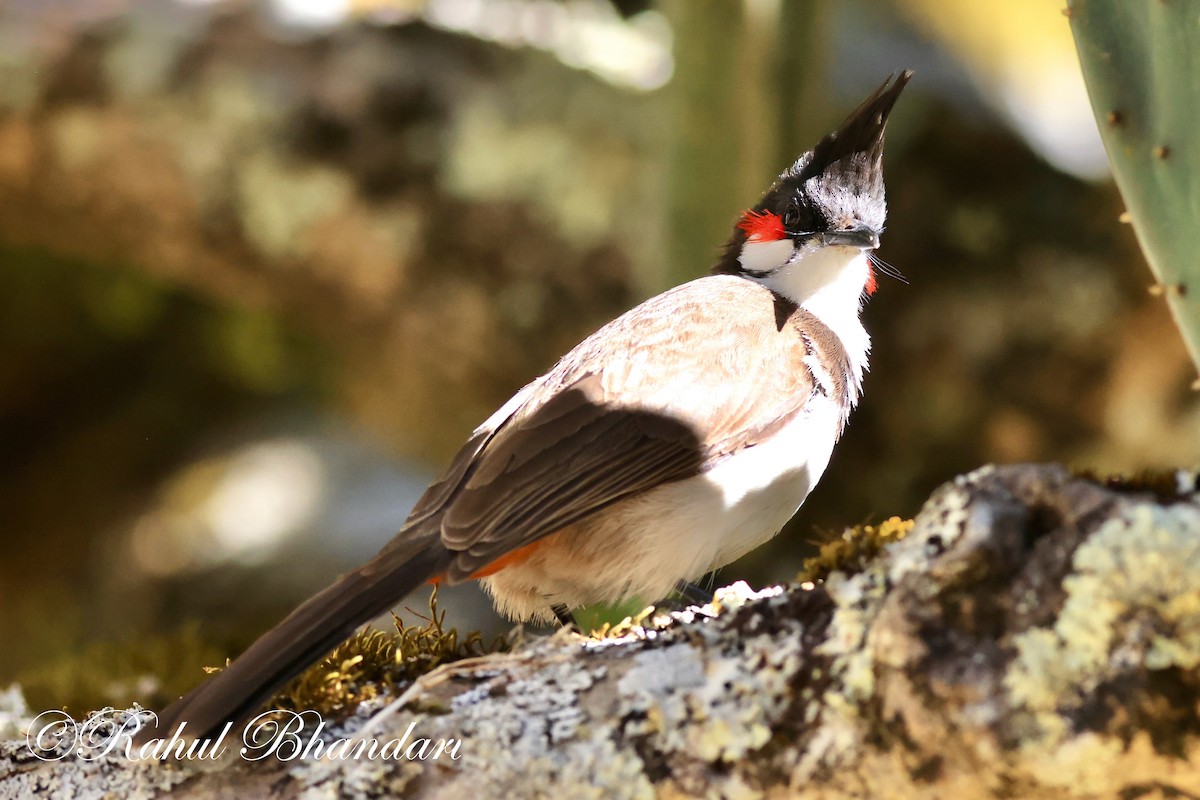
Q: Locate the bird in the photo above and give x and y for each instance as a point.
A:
(677, 437)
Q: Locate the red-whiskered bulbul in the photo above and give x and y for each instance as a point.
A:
(676, 438)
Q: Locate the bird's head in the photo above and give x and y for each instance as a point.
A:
(817, 224)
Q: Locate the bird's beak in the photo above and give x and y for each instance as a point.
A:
(862, 238)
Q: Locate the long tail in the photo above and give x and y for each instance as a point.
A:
(303, 637)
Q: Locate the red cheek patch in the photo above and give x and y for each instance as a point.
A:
(872, 284)
(762, 226)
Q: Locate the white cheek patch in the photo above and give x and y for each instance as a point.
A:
(765, 256)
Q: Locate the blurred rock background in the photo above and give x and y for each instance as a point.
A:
(263, 266)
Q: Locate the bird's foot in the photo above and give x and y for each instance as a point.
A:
(692, 594)
(563, 615)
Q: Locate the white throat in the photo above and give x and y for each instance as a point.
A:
(828, 282)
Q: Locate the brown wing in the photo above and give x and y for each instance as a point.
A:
(439, 492)
(638, 404)
(569, 459)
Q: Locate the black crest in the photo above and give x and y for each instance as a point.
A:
(838, 182)
(857, 145)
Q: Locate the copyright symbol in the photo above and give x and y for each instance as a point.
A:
(52, 735)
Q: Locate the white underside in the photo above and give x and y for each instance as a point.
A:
(643, 546)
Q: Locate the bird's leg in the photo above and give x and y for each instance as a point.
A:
(693, 594)
(563, 614)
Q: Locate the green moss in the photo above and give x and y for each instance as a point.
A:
(628, 625)
(373, 663)
(854, 549)
(601, 618)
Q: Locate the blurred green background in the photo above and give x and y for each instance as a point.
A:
(263, 266)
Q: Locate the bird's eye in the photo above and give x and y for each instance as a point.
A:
(791, 217)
